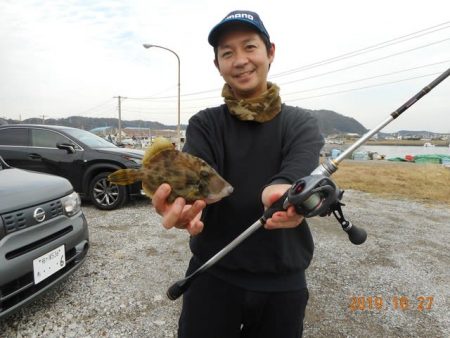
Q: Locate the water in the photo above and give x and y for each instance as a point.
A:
(393, 151)
(401, 151)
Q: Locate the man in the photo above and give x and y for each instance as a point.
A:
(261, 147)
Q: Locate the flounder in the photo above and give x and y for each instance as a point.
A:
(189, 176)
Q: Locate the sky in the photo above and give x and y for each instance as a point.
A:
(362, 59)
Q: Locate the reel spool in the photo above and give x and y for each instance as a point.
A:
(312, 195)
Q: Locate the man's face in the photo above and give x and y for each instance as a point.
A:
(243, 61)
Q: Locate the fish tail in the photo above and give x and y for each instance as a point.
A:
(125, 176)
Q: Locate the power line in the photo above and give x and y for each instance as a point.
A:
(193, 109)
(366, 78)
(301, 79)
(363, 50)
(367, 62)
(360, 88)
(342, 83)
(189, 109)
(317, 64)
(347, 55)
(152, 97)
(99, 105)
(307, 89)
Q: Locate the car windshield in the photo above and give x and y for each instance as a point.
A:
(89, 139)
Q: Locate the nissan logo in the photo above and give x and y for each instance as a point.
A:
(39, 214)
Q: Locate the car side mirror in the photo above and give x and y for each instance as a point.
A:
(70, 148)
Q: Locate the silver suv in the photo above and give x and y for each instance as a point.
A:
(43, 235)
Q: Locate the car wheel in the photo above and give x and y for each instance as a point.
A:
(105, 195)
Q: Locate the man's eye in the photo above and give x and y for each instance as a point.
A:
(226, 54)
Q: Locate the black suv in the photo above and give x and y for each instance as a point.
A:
(82, 157)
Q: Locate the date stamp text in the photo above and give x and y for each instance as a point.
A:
(397, 302)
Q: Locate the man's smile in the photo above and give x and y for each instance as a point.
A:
(244, 74)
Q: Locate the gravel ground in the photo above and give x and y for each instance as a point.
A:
(120, 290)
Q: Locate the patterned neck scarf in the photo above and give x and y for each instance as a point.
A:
(261, 109)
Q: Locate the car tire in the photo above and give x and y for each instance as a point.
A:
(105, 195)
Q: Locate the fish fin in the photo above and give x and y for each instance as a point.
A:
(148, 192)
(125, 176)
(158, 145)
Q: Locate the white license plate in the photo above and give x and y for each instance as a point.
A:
(48, 264)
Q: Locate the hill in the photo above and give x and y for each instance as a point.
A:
(89, 123)
(329, 121)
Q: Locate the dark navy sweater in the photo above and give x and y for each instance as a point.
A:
(251, 155)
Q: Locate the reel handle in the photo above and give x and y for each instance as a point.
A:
(356, 235)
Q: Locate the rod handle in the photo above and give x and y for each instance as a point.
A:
(276, 206)
(178, 288)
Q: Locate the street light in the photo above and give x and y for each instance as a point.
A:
(146, 45)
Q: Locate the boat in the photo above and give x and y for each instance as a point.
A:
(428, 144)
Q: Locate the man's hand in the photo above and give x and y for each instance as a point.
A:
(178, 214)
(280, 219)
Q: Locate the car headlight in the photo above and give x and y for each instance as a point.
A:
(71, 204)
(134, 159)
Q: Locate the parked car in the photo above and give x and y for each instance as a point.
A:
(82, 157)
(43, 235)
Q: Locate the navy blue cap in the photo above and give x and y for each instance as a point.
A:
(249, 18)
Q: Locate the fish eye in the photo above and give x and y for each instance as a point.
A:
(204, 173)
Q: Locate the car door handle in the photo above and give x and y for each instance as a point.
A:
(35, 156)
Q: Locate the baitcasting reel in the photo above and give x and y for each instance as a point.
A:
(312, 195)
(316, 195)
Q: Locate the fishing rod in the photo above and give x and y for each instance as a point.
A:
(313, 195)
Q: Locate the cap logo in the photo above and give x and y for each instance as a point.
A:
(240, 16)
(244, 17)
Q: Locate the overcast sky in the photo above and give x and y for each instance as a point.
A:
(362, 59)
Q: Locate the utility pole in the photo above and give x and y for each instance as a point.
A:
(120, 116)
(43, 119)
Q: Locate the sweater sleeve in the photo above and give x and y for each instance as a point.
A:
(201, 140)
(302, 142)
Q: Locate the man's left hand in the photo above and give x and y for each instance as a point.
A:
(280, 219)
